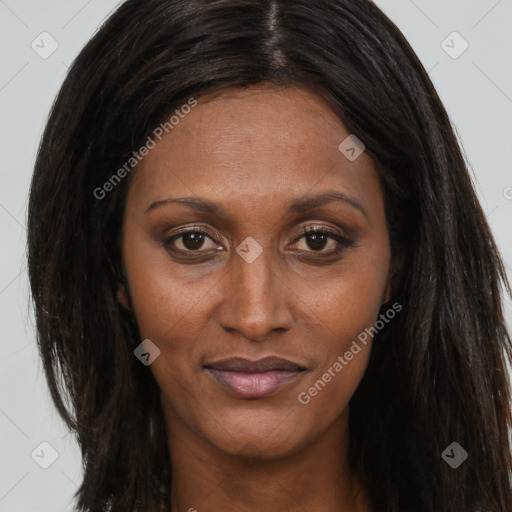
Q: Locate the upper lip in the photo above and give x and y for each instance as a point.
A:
(265, 364)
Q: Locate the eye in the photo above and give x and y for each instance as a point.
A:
(316, 239)
(191, 240)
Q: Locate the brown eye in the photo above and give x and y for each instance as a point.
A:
(188, 241)
(193, 240)
(317, 239)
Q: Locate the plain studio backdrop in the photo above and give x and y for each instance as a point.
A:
(466, 46)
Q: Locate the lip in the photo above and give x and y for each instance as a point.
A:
(248, 379)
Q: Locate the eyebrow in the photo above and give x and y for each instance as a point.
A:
(304, 204)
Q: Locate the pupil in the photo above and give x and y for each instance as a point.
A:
(193, 240)
(318, 238)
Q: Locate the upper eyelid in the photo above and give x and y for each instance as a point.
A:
(192, 229)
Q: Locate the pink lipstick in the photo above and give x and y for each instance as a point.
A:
(248, 379)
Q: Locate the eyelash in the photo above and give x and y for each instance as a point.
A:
(342, 241)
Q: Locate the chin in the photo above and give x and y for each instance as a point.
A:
(259, 439)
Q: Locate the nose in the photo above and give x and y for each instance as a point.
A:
(257, 298)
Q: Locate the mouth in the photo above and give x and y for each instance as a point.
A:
(254, 379)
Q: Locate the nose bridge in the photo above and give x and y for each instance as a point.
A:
(255, 277)
(255, 303)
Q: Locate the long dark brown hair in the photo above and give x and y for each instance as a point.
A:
(437, 373)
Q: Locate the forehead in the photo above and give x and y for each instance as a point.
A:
(253, 144)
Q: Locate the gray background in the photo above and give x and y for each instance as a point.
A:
(475, 87)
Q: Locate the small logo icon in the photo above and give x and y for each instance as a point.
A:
(352, 147)
(44, 455)
(454, 455)
(44, 45)
(147, 352)
(249, 249)
(454, 45)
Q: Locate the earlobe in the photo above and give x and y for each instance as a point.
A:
(387, 292)
(122, 297)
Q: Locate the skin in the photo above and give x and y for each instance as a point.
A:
(253, 152)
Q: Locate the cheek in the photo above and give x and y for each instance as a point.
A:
(342, 351)
(161, 296)
(351, 299)
(172, 307)
(347, 316)
(331, 387)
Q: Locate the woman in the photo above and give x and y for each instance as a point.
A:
(261, 276)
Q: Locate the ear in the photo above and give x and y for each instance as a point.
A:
(122, 297)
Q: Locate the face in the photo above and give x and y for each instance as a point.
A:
(238, 271)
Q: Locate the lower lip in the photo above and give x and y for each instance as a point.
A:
(253, 385)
